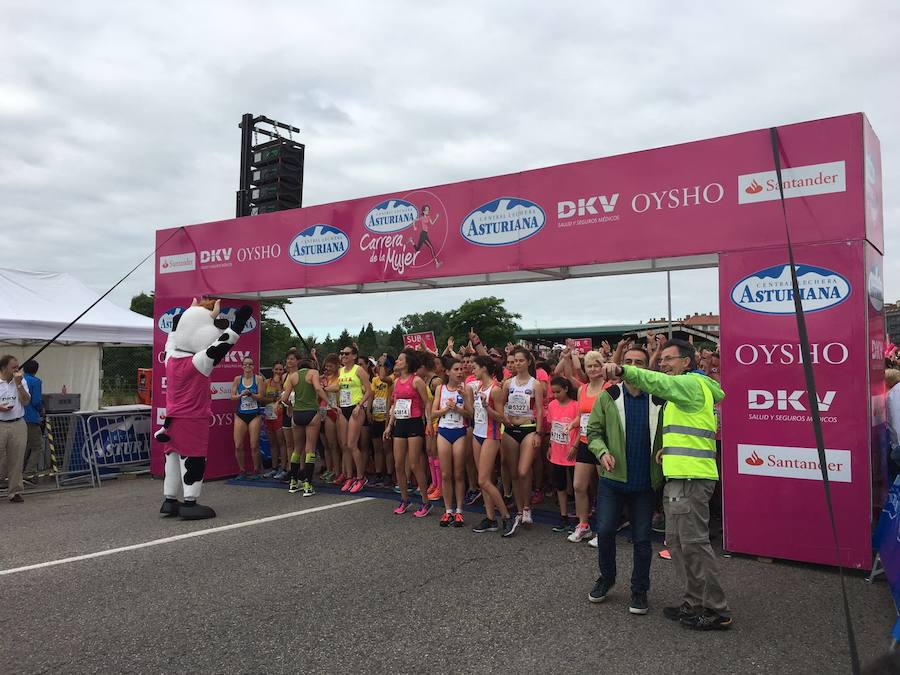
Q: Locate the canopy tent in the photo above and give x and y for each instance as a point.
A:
(35, 306)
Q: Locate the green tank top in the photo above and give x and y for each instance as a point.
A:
(305, 397)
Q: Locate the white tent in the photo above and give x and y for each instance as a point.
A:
(35, 306)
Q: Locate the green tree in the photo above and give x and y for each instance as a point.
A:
(488, 317)
(344, 339)
(142, 303)
(275, 337)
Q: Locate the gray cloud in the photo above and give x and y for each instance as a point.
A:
(121, 118)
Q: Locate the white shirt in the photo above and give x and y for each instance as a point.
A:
(9, 395)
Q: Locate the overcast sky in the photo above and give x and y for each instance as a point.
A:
(120, 118)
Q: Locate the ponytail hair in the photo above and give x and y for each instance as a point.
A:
(489, 363)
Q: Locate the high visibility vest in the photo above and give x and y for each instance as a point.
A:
(689, 440)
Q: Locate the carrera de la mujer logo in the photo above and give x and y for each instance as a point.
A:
(503, 221)
(770, 291)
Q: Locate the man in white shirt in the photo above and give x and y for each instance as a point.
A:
(14, 397)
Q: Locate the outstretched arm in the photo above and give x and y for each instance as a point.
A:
(207, 360)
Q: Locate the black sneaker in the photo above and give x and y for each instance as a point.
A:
(683, 611)
(707, 620)
(638, 603)
(510, 525)
(486, 525)
(600, 590)
(562, 525)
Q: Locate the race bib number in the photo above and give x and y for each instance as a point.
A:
(248, 404)
(453, 419)
(332, 398)
(558, 433)
(519, 405)
(379, 406)
(270, 411)
(402, 408)
(481, 416)
(584, 421)
(346, 399)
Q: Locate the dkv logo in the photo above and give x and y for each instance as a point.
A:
(391, 215)
(770, 291)
(503, 221)
(319, 245)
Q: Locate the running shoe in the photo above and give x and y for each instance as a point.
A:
(510, 525)
(593, 542)
(458, 520)
(486, 525)
(639, 604)
(241, 476)
(358, 485)
(268, 475)
(562, 525)
(254, 476)
(526, 517)
(472, 496)
(445, 519)
(707, 620)
(683, 611)
(308, 490)
(424, 510)
(349, 483)
(581, 533)
(378, 481)
(294, 486)
(339, 479)
(326, 476)
(397, 489)
(537, 497)
(434, 494)
(401, 509)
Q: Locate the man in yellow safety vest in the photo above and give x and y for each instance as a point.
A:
(688, 458)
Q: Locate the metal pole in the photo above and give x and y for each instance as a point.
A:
(669, 294)
(244, 180)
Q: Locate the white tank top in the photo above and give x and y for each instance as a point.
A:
(481, 416)
(451, 420)
(521, 398)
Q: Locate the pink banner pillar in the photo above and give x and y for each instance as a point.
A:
(220, 461)
(772, 487)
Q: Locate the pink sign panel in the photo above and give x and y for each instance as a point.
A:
(772, 484)
(720, 194)
(421, 341)
(583, 345)
(220, 461)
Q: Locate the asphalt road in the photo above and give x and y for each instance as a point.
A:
(355, 588)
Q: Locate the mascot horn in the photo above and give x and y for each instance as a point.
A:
(199, 339)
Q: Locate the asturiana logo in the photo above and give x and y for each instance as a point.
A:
(230, 313)
(166, 320)
(770, 291)
(391, 215)
(504, 221)
(318, 245)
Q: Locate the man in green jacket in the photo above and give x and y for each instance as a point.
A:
(620, 433)
(687, 452)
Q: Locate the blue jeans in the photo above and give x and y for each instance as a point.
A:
(610, 501)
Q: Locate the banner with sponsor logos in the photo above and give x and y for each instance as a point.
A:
(420, 340)
(719, 194)
(220, 461)
(772, 488)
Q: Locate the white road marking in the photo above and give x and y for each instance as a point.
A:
(186, 535)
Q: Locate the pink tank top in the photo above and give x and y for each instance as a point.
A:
(404, 390)
(187, 390)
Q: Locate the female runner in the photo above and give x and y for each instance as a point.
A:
(328, 409)
(307, 390)
(382, 383)
(523, 429)
(407, 426)
(487, 416)
(563, 416)
(274, 412)
(452, 403)
(423, 222)
(354, 392)
(248, 389)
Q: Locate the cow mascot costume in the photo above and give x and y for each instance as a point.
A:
(199, 339)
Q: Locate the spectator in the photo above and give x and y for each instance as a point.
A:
(13, 434)
(34, 418)
(891, 378)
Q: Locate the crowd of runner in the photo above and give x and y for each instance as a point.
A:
(501, 426)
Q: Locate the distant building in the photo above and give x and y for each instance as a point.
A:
(892, 321)
(708, 323)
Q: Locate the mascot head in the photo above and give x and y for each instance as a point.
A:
(198, 326)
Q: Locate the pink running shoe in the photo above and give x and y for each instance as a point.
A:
(401, 509)
(339, 480)
(358, 485)
(348, 484)
(424, 510)
(537, 497)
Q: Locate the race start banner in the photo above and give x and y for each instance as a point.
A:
(421, 341)
(714, 202)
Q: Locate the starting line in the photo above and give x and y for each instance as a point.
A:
(180, 537)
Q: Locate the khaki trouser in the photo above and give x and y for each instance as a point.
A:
(13, 436)
(686, 504)
(34, 449)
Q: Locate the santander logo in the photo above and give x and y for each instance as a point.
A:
(753, 188)
(754, 459)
